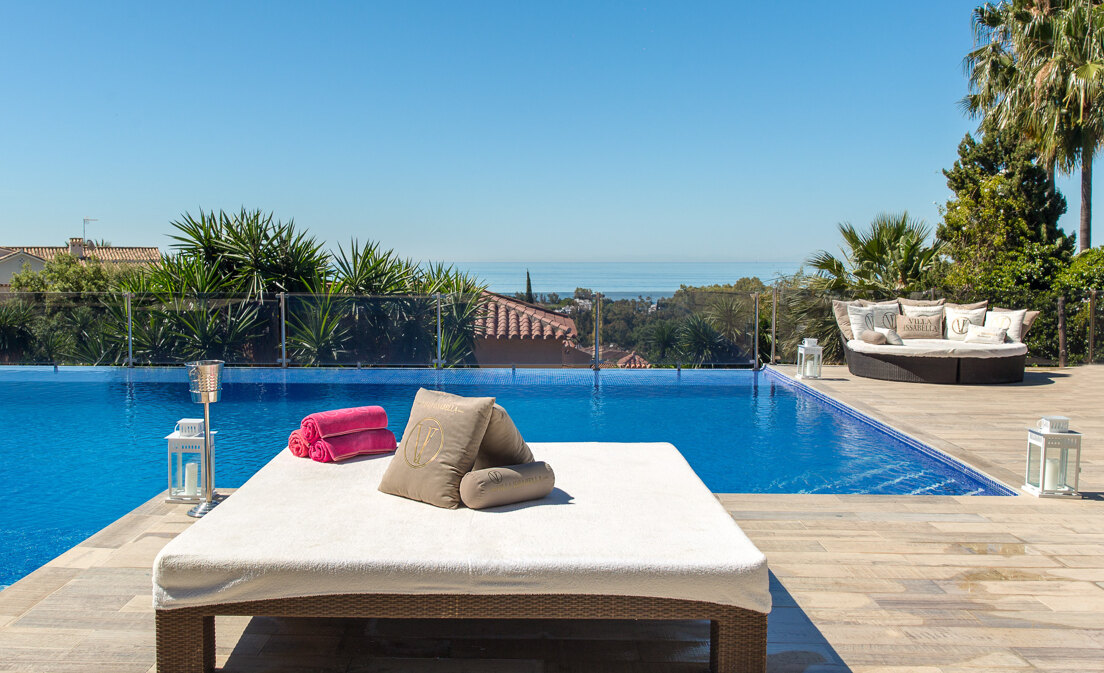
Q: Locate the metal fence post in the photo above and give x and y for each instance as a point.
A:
(774, 319)
(437, 362)
(755, 350)
(597, 330)
(1092, 326)
(130, 331)
(283, 330)
(1062, 353)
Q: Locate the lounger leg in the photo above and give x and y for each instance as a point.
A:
(185, 644)
(738, 644)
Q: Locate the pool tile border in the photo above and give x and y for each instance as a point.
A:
(997, 488)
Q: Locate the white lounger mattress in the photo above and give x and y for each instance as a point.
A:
(625, 519)
(939, 348)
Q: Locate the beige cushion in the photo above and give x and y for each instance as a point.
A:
(919, 302)
(438, 447)
(502, 443)
(957, 321)
(920, 326)
(922, 310)
(872, 337)
(968, 307)
(1009, 321)
(891, 336)
(505, 485)
(873, 315)
(977, 334)
(1029, 320)
(842, 319)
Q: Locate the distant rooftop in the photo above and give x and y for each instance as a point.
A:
(505, 318)
(84, 250)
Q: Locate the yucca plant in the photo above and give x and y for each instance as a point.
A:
(318, 330)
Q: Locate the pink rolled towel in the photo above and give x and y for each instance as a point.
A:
(367, 442)
(298, 445)
(342, 422)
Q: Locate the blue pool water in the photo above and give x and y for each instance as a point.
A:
(84, 446)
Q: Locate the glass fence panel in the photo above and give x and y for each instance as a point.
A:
(173, 329)
(62, 328)
(692, 328)
(362, 331)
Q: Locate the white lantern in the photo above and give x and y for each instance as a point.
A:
(1053, 459)
(186, 461)
(809, 359)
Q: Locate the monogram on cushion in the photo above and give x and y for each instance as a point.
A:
(869, 317)
(958, 321)
(438, 448)
(1011, 321)
(920, 326)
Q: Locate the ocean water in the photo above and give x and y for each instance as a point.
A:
(85, 446)
(620, 280)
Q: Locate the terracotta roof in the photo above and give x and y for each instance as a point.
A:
(110, 254)
(506, 318)
(633, 361)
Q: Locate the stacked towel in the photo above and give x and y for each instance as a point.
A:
(342, 422)
(330, 449)
(330, 436)
(298, 444)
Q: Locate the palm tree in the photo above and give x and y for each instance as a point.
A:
(1038, 66)
(891, 258)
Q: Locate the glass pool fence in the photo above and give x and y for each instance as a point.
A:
(691, 328)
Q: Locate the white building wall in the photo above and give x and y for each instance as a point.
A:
(9, 266)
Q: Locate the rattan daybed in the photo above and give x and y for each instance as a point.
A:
(937, 361)
(630, 533)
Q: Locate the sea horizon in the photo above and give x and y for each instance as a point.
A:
(621, 280)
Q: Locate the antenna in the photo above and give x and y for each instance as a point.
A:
(84, 229)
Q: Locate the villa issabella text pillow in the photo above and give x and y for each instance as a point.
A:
(438, 448)
(920, 326)
(502, 443)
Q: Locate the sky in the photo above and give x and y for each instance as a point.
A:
(484, 131)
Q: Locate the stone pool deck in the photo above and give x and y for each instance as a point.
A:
(861, 583)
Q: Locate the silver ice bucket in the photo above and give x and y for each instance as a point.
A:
(205, 380)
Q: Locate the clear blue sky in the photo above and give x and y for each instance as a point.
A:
(484, 130)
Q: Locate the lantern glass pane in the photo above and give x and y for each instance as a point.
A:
(1034, 459)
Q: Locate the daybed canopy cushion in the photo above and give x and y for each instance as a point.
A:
(625, 520)
(940, 348)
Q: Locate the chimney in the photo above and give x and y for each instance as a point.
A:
(76, 247)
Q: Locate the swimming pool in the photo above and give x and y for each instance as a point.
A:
(84, 445)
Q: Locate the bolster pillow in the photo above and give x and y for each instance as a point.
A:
(506, 485)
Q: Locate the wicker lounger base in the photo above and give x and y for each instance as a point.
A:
(186, 636)
(936, 369)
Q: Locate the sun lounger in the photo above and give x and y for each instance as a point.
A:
(629, 533)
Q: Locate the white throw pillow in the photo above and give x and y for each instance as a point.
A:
(976, 334)
(892, 338)
(875, 315)
(921, 311)
(957, 321)
(1010, 321)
